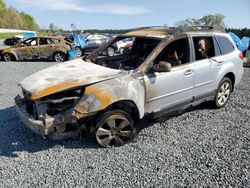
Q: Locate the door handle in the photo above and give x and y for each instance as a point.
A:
(188, 72)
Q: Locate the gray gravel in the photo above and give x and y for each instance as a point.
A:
(199, 148)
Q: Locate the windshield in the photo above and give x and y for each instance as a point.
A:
(126, 53)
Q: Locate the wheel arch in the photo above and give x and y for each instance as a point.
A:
(10, 52)
(231, 76)
(128, 106)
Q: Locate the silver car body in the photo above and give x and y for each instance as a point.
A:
(186, 85)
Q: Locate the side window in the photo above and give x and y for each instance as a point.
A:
(30, 42)
(204, 47)
(225, 45)
(45, 41)
(175, 53)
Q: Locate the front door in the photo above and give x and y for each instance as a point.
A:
(175, 88)
(27, 49)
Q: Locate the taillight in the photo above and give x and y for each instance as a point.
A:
(241, 55)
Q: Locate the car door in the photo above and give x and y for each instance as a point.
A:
(46, 48)
(205, 66)
(27, 49)
(167, 90)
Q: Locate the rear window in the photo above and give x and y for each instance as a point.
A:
(225, 45)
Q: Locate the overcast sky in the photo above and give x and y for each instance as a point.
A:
(90, 14)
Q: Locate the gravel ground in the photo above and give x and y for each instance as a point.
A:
(199, 148)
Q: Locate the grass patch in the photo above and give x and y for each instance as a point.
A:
(8, 35)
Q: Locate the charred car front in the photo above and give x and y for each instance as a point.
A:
(165, 70)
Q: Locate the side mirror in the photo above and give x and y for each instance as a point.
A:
(162, 66)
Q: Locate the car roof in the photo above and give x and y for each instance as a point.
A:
(162, 32)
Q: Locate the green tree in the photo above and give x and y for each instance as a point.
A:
(3, 11)
(216, 20)
(28, 21)
(213, 20)
(52, 27)
(13, 19)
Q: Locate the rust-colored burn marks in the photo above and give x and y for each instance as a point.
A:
(93, 100)
(54, 89)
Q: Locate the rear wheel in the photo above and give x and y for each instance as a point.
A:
(114, 128)
(59, 57)
(223, 93)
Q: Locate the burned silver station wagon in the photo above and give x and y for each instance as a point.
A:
(166, 69)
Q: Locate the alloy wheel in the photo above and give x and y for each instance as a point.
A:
(223, 94)
(115, 130)
(59, 57)
(7, 57)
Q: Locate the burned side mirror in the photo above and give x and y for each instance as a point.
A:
(162, 66)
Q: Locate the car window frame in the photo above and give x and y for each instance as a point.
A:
(31, 45)
(46, 39)
(149, 62)
(193, 48)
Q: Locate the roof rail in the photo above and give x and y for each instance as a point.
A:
(174, 30)
(201, 28)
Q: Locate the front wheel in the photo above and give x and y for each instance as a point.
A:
(223, 93)
(59, 57)
(8, 57)
(114, 128)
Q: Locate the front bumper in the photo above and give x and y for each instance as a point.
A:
(36, 126)
(52, 128)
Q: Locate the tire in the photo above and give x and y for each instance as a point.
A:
(78, 52)
(59, 57)
(8, 57)
(114, 128)
(110, 51)
(223, 93)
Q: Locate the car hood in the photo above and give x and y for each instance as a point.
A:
(72, 74)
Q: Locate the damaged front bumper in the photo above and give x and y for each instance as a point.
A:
(50, 127)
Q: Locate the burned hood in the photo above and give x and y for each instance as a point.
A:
(72, 74)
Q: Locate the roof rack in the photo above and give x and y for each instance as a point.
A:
(174, 30)
(201, 28)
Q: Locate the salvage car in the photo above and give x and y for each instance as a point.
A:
(166, 70)
(37, 48)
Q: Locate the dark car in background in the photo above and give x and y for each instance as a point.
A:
(96, 40)
(54, 48)
(12, 41)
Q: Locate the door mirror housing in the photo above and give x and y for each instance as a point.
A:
(162, 66)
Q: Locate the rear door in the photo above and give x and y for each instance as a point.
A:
(205, 65)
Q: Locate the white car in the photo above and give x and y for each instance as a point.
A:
(121, 44)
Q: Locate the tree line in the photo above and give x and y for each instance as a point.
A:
(12, 19)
